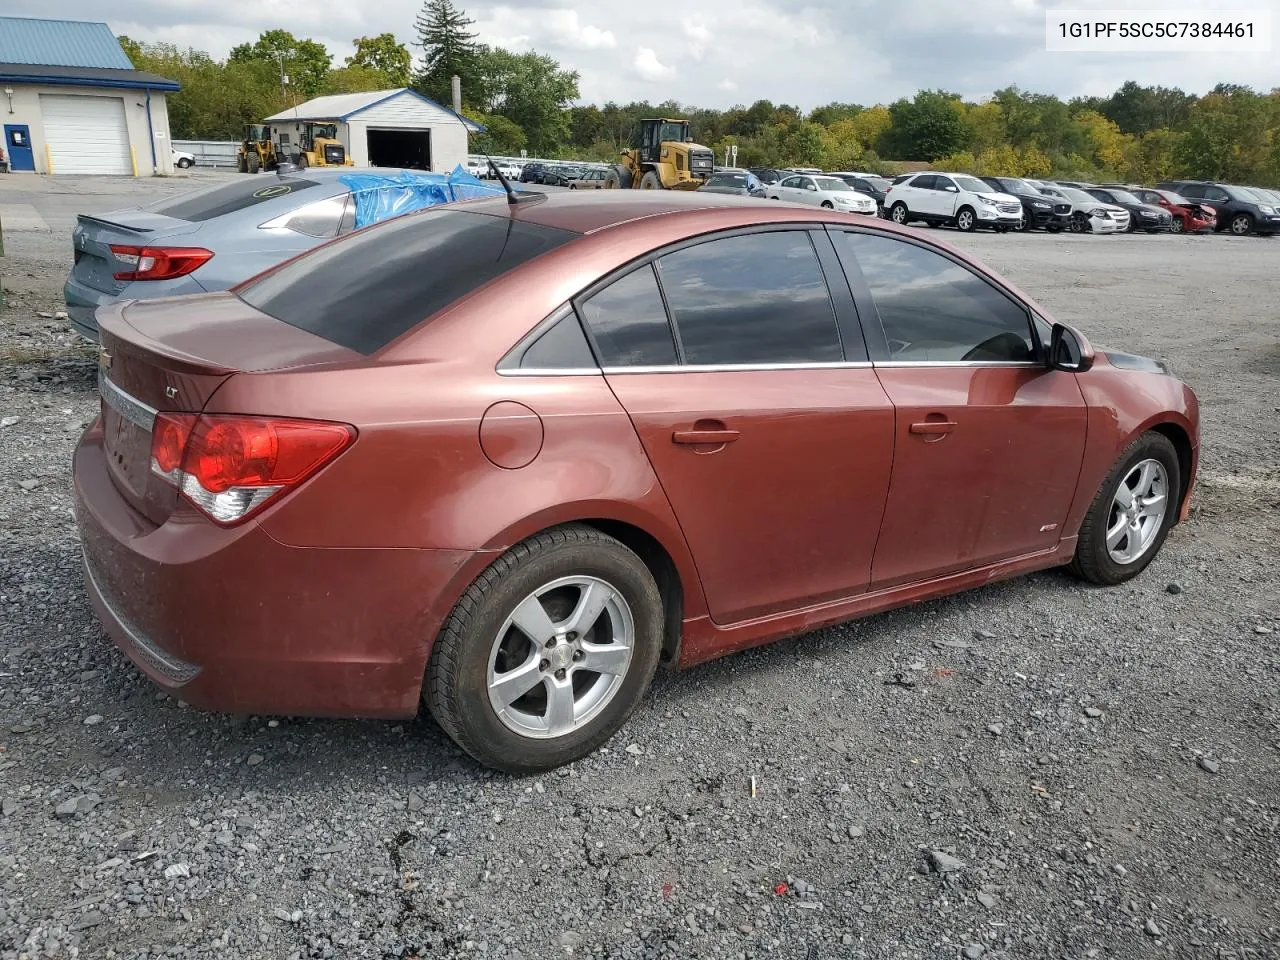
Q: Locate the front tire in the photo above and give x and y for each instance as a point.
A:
(1131, 515)
(898, 214)
(651, 181)
(253, 162)
(510, 679)
(966, 220)
(184, 163)
(1242, 225)
(828, 205)
(1176, 225)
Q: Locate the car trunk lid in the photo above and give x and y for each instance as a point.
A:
(95, 265)
(171, 355)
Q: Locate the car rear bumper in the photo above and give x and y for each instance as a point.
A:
(233, 620)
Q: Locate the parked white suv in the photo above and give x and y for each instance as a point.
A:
(955, 198)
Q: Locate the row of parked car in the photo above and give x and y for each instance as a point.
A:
(1018, 203)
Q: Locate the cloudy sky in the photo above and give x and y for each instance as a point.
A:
(722, 52)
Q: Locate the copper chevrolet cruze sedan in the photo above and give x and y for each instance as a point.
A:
(506, 457)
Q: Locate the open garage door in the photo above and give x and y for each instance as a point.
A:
(86, 134)
(400, 148)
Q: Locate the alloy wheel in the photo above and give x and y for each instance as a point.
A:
(1241, 225)
(899, 214)
(1137, 511)
(560, 657)
(965, 220)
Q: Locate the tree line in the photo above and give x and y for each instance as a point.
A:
(528, 101)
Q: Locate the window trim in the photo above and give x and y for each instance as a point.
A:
(866, 306)
(844, 322)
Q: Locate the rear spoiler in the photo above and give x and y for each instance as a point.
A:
(117, 226)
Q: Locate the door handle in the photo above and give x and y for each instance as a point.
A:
(934, 427)
(704, 436)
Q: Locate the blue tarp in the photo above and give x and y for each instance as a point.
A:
(382, 196)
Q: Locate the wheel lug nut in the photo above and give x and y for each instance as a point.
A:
(544, 664)
(560, 674)
(550, 643)
(577, 655)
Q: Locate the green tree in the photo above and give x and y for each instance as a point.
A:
(501, 137)
(306, 63)
(928, 126)
(356, 79)
(448, 48)
(532, 91)
(833, 112)
(384, 54)
(1138, 109)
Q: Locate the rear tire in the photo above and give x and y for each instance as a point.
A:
(899, 215)
(1094, 560)
(242, 164)
(618, 178)
(479, 645)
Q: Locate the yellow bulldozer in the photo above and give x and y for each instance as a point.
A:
(666, 158)
(322, 148)
(257, 151)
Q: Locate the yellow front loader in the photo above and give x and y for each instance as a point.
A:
(666, 158)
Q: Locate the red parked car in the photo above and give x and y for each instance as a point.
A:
(1188, 216)
(505, 458)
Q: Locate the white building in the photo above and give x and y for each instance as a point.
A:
(72, 103)
(384, 128)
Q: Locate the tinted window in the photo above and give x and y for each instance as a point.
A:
(562, 347)
(1216, 193)
(630, 323)
(934, 309)
(759, 298)
(924, 181)
(365, 289)
(229, 197)
(792, 182)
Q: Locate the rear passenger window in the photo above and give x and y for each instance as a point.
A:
(754, 299)
(630, 324)
(563, 346)
(933, 309)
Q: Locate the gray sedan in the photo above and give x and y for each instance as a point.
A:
(214, 238)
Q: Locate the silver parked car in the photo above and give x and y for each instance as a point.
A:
(214, 238)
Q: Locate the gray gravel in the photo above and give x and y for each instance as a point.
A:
(1056, 771)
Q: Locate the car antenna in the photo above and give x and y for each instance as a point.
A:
(513, 197)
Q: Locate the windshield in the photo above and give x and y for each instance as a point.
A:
(878, 182)
(973, 185)
(1079, 197)
(1250, 193)
(672, 131)
(832, 184)
(1014, 185)
(1175, 198)
(1123, 196)
(364, 290)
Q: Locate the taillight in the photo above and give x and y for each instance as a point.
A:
(159, 263)
(229, 467)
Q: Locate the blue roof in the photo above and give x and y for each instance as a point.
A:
(60, 43)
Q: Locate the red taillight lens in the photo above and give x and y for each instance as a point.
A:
(230, 466)
(159, 263)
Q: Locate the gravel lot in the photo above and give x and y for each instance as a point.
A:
(1059, 771)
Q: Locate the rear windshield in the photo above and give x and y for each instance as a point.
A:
(363, 291)
(229, 197)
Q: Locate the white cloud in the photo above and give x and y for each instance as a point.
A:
(564, 27)
(648, 67)
(727, 85)
(699, 36)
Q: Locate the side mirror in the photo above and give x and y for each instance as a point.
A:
(1069, 350)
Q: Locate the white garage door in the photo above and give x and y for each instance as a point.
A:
(86, 134)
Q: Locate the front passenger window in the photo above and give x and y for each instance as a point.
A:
(935, 310)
